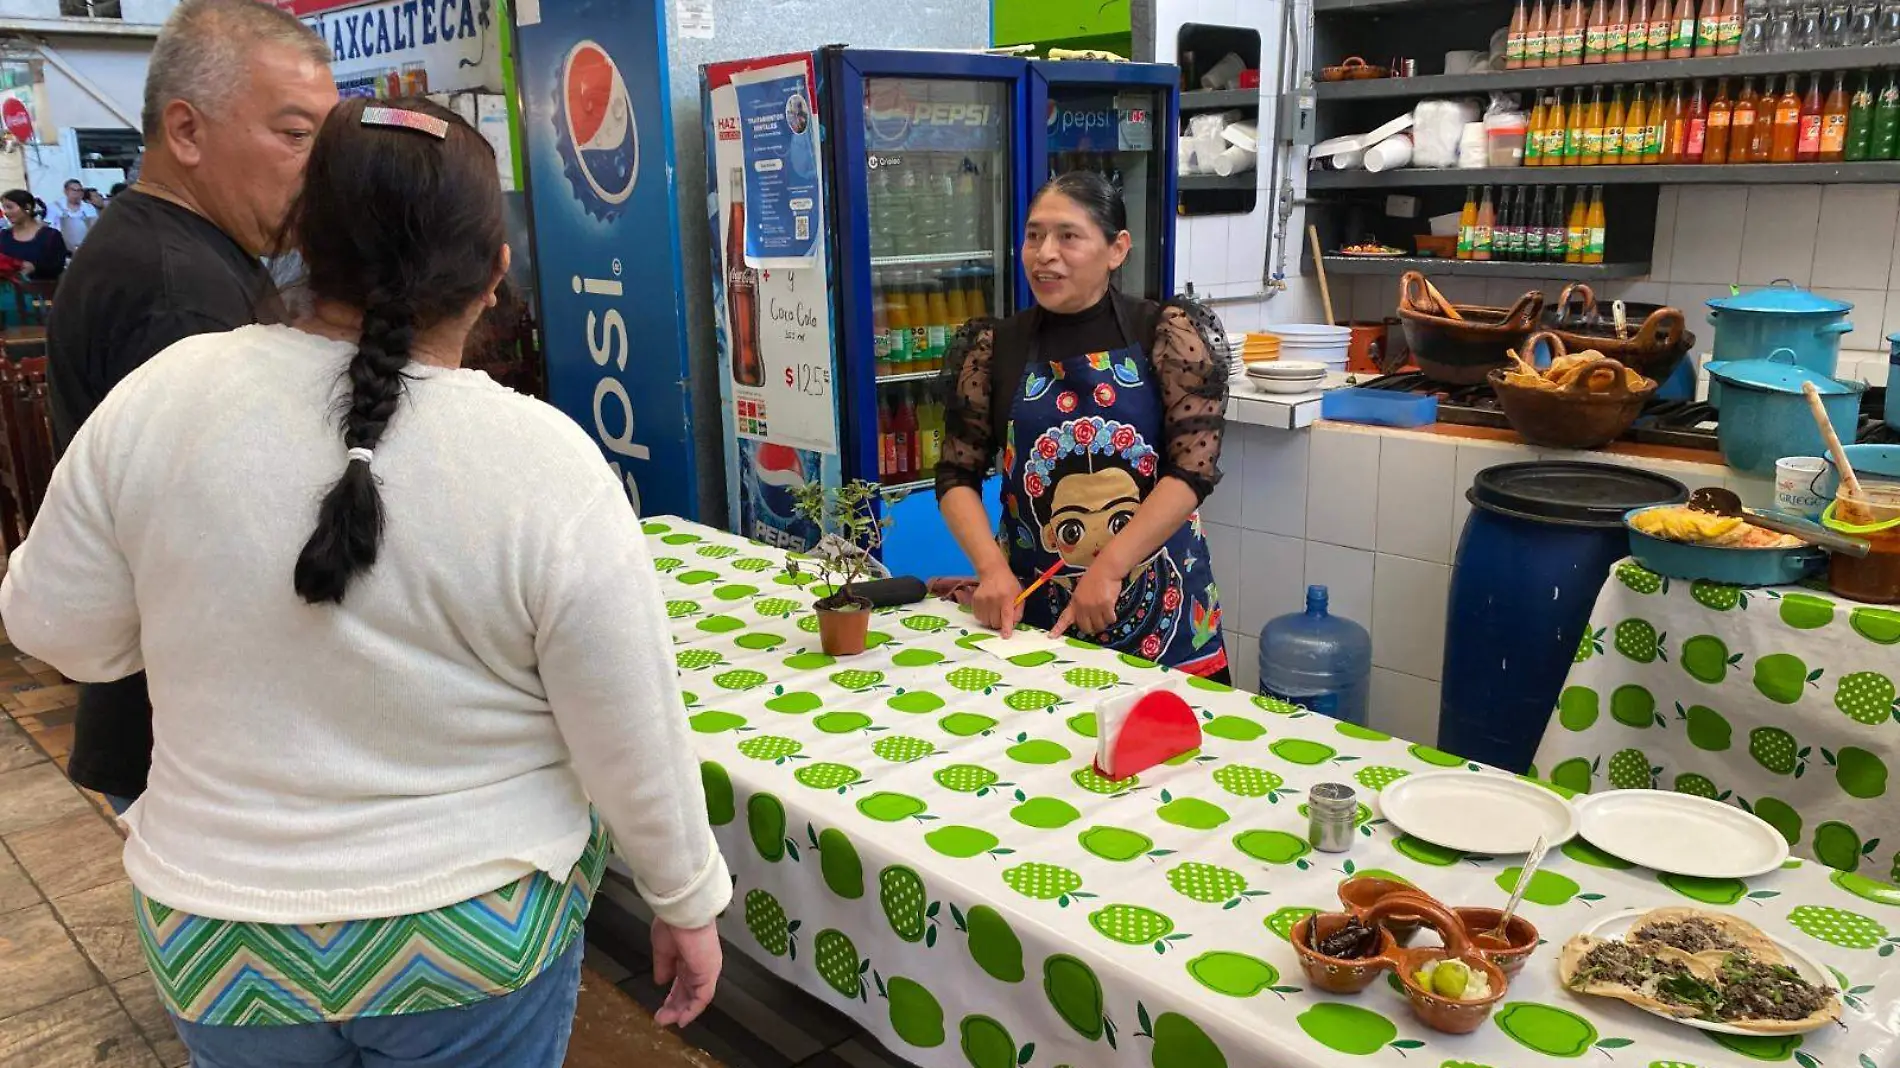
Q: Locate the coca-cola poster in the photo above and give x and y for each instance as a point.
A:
(779, 137)
(773, 323)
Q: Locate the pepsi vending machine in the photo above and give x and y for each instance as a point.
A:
(925, 161)
(597, 136)
(834, 308)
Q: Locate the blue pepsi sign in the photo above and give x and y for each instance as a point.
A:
(598, 139)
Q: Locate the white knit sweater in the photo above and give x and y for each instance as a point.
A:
(437, 735)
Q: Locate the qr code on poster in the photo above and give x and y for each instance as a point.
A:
(801, 228)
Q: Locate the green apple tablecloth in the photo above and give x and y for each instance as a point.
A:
(917, 837)
(1778, 700)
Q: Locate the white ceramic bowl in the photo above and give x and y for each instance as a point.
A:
(1282, 369)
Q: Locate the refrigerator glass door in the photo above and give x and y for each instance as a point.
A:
(938, 171)
(1112, 131)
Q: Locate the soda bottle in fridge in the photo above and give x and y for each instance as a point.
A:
(898, 333)
(903, 437)
(883, 235)
(959, 302)
(886, 442)
(906, 189)
(880, 330)
(742, 293)
(966, 210)
(918, 307)
(941, 327)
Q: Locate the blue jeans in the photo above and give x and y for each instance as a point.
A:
(526, 1029)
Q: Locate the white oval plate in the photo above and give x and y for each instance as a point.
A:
(1681, 834)
(1478, 812)
(1618, 924)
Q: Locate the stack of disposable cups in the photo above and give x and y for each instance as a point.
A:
(1390, 154)
(1473, 152)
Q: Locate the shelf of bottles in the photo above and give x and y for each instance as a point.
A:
(1569, 33)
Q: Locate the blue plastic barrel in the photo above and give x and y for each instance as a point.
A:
(1539, 543)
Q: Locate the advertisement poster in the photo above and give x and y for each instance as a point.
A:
(1101, 122)
(774, 328)
(597, 132)
(779, 137)
(435, 46)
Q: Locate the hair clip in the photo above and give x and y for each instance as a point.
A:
(408, 120)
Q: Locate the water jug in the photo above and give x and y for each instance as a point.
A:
(1318, 661)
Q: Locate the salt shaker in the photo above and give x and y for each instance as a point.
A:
(1331, 811)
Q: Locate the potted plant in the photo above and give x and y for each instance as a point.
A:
(850, 530)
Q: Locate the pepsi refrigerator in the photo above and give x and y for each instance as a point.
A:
(836, 293)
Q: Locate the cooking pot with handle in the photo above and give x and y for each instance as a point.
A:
(1781, 315)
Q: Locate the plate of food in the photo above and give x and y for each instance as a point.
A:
(1373, 250)
(1703, 969)
(1677, 541)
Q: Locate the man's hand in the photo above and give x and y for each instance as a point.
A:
(690, 960)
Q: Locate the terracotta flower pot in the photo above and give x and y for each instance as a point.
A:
(842, 631)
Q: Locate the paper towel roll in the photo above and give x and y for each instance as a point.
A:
(1389, 154)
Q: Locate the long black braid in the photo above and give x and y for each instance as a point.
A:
(350, 519)
(407, 229)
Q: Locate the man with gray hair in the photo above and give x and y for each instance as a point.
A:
(234, 94)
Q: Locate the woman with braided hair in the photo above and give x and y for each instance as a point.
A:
(400, 627)
(1104, 416)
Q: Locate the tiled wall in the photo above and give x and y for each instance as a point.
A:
(1375, 517)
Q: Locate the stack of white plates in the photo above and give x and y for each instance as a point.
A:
(1287, 376)
(1313, 341)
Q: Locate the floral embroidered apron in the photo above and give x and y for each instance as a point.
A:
(1081, 452)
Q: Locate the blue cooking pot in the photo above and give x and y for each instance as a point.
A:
(1733, 567)
(1765, 416)
(1781, 316)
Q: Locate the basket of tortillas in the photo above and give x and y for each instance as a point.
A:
(1581, 401)
(1708, 970)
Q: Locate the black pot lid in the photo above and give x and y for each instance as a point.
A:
(1572, 493)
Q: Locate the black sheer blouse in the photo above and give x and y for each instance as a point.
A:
(1186, 346)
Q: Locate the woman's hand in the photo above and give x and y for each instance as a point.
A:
(690, 961)
(1091, 607)
(995, 601)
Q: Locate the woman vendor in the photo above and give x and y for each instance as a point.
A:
(1104, 416)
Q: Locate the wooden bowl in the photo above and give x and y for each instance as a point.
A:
(1338, 975)
(1574, 417)
(1521, 940)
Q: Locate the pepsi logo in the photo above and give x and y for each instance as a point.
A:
(599, 138)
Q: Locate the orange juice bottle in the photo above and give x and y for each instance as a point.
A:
(917, 307)
(1613, 119)
(940, 327)
(959, 297)
(880, 330)
(898, 336)
(979, 302)
(1593, 130)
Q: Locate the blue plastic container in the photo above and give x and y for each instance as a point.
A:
(1379, 407)
(1318, 661)
(1539, 543)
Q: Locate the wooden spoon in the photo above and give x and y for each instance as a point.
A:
(1850, 485)
(1715, 500)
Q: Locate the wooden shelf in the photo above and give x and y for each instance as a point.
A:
(1244, 180)
(1823, 61)
(1882, 171)
(1438, 267)
(1219, 99)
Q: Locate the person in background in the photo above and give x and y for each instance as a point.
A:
(117, 188)
(27, 239)
(96, 199)
(234, 94)
(74, 215)
(1104, 416)
(380, 715)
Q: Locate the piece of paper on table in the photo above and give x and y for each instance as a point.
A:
(1020, 642)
